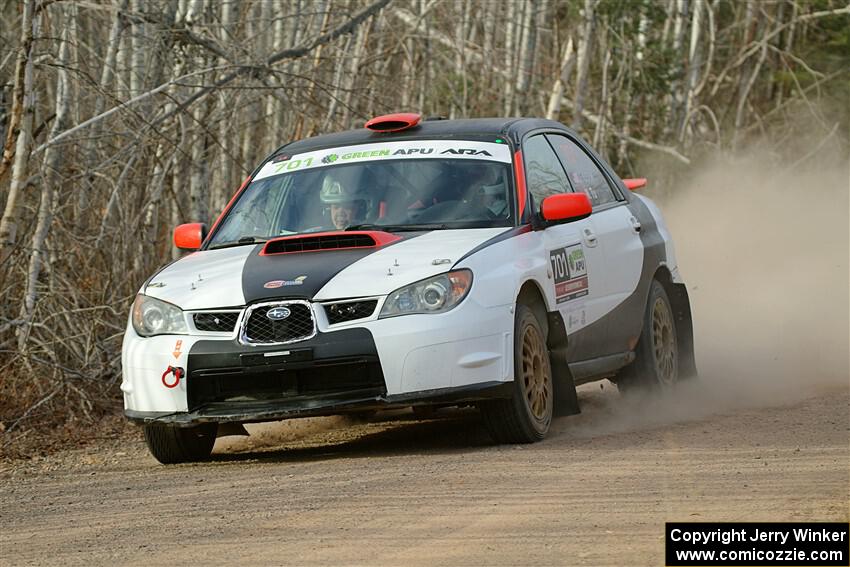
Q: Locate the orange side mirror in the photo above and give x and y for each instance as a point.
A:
(566, 207)
(634, 184)
(189, 236)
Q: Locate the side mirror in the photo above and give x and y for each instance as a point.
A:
(190, 236)
(634, 184)
(565, 207)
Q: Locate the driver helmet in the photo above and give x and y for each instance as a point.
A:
(494, 194)
(338, 188)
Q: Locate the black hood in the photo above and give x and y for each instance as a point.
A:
(294, 275)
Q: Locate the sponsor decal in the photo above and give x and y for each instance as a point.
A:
(467, 152)
(283, 283)
(157, 284)
(361, 155)
(569, 267)
(420, 149)
(576, 319)
(291, 165)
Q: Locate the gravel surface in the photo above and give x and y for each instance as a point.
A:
(400, 491)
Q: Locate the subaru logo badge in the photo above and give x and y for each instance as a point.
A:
(278, 313)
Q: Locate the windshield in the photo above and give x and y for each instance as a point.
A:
(396, 186)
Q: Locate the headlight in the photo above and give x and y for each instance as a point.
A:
(154, 317)
(433, 295)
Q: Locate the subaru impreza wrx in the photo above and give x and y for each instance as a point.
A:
(490, 262)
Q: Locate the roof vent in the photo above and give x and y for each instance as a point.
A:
(393, 122)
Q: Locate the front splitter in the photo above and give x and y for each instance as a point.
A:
(259, 411)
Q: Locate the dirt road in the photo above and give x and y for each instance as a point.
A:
(397, 491)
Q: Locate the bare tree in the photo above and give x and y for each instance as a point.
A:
(19, 131)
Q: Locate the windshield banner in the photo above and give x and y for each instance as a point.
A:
(414, 149)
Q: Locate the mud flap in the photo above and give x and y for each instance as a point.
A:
(566, 398)
(685, 330)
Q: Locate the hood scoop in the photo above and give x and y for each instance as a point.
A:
(320, 241)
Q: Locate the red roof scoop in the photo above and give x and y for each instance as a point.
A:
(335, 240)
(394, 122)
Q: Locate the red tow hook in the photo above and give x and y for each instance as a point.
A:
(177, 372)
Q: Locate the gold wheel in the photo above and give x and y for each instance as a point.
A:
(536, 375)
(664, 343)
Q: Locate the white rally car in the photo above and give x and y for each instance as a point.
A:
(494, 262)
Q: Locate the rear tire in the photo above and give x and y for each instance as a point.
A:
(656, 364)
(169, 444)
(527, 415)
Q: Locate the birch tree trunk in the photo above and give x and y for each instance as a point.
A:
(274, 115)
(676, 98)
(198, 185)
(788, 45)
(50, 179)
(106, 77)
(694, 63)
(489, 23)
(360, 40)
(20, 131)
(510, 34)
(526, 57)
(23, 65)
(584, 49)
(749, 70)
(568, 60)
(138, 48)
(602, 112)
(225, 127)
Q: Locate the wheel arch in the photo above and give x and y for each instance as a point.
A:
(531, 295)
(680, 302)
(566, 399)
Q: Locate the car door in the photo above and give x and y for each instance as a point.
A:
(618, 235)
(577, 266)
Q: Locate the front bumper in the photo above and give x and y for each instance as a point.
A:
(463, 355)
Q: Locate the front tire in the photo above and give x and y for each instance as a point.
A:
(169, 444)
(527, 415)
(656, 364)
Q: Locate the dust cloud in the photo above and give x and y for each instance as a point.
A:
(763, 248)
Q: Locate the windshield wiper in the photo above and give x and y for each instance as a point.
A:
(397, 227)
(241, 242)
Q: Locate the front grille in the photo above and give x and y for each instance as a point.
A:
(296, 326)
(220, 322)
(349, 311)
(314, 243)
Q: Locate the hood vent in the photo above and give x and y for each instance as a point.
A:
(328, 241)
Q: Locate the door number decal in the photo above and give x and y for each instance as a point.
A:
(570, 269)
